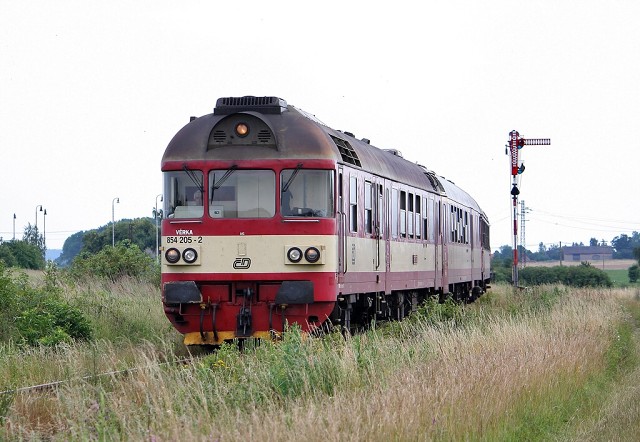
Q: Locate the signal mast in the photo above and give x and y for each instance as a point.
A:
(515, 144)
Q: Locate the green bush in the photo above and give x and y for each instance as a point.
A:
(634, 273)
(38, 316)
(111, 263)
(584, 275)
(21, 254)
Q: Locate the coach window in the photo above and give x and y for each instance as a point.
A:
(368, 207)
(418, 217)
(380, 211)
(454, 224)
(429, 221)
(242, 193)
(306, 193)
(394, 213)
(410, 215)
(183, 194)
(403, 213)
(353, 204)
(466, 227)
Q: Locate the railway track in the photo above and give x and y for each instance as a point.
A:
(49, 386)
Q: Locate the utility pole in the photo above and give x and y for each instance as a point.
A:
(523, 211)
(515, 144)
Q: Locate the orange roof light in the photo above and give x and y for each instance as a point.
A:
(242, 130)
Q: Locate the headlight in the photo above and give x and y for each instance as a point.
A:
(242, 130)
(294, 254)
(312, 254)
(190, 255)
(172, 255)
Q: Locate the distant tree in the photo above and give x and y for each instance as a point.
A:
(140, 231)
(6, 255)
(72, 246)
(593, 242)
(554, 252)
(32, 236)
(22, 254)
(622, 247)
(636, 254)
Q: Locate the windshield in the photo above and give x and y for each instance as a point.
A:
(237, 193)
(306, 192)
(183, 194)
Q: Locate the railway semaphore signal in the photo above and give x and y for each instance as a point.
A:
(515, 144)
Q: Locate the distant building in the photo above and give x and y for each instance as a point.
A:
(587, 253)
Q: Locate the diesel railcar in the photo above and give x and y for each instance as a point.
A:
(273, 218)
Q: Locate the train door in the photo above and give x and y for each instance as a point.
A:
(483, 241)
(444, 240)
(472, 240)
(341, 214)
(384, 247)
(387, 230)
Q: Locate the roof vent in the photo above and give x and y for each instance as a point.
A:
(264, 105)
(394, 152)
(435, 182)
(346, 151)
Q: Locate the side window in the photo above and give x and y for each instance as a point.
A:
(368, 207)
(394, 213)
(453, 225)
(410, 215)
(353, 204)
(403, 213)
(380, 210)
(418, 217)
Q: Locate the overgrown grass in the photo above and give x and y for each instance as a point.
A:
(548, 363)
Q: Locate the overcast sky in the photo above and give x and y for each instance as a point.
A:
(91, 93)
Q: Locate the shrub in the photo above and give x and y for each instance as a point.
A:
(21, 254)
(634, 273)
(38, 316)
(584, 275)
(111, 263)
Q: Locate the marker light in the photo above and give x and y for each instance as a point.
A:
(294, 254)
(172, 256)
(312, 254)
(242, 130)
(190, 255)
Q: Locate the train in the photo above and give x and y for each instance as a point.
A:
(271, 218)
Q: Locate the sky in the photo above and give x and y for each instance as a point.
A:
(91, 93)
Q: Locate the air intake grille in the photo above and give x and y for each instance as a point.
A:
(265, 105)
(247, 101)
(346, 151)
(264, 136)
(219, 136)
(435, 182)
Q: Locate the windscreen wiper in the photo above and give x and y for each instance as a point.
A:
(191, 174)
(291, 178)
(227, 174)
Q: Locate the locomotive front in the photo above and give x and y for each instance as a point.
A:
(249, 223)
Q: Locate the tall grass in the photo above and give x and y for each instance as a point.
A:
(525, 366)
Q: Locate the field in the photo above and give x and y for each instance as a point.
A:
(549, 363)
(610, 264)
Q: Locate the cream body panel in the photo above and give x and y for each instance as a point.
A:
(255, 253)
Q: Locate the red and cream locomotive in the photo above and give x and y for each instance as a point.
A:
(271, 217)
